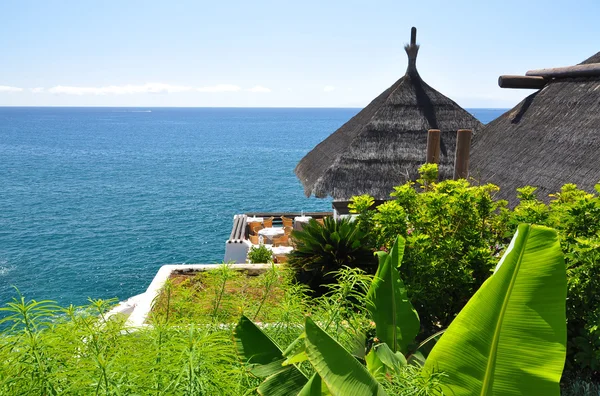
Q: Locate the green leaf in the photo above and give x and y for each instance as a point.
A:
(397, 322)
(510, 337)
(392, 360)
(295, 359)
(289, 381)
(375, 365)
(254, 346)
(314, 387)
(340, 371)
(266, 360)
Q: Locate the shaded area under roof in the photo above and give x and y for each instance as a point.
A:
(551, 138)
(385, 143)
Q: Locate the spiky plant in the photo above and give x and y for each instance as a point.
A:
(322, 249)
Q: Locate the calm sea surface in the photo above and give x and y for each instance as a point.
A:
(94, 200)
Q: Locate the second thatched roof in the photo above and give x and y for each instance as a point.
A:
(551, 138)
(385, 143)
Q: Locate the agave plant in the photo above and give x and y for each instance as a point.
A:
(323, 249)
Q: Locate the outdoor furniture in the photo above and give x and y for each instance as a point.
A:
(281, 258)
(320, 221)
(253, 225)
(300, 222)
(288, 230)
(281, 240)
(254, 219)
(270, 232)
(254, 239)
(287, 222)
(268, 222)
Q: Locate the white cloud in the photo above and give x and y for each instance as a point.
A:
(119, 89)
(220, 88)
(259, 88)
(130, 89)
(4, 88)
(328, 88)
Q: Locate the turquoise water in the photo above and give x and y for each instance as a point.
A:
(94, 200)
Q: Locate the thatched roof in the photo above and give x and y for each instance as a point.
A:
(385, 143)
(549, 139)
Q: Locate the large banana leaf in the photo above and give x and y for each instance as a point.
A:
(265, 360)
(397, 322)
(510, 337)
(314, 387)
(341, 372)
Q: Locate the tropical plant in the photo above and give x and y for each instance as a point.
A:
(452, 238)
(397, 322)
(260, 254)
(576, 215)
(323, 249)
(509, 339)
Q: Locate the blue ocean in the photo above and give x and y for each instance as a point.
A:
(94, 200)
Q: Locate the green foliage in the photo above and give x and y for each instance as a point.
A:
(581, 388)
(260, 255)
(428, 174)
(510, 339)
(576, 215)
(341, 340)
(360, 203)
(221, 294)
(265, 359)
(452, 236)
(397, 322)
(454, 233)
(48, 350)
(323, 249)
(338, 369)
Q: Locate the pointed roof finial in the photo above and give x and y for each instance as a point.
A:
(411, 50)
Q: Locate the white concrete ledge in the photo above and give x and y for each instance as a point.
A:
(139, 306)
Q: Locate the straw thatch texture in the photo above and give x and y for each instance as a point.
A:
(549, 139)
(384, 144)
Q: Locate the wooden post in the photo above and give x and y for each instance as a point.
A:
(461, 158)
(433, 146)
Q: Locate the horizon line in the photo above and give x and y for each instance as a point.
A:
(215, 107)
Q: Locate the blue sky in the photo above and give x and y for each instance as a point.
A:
(278, 53)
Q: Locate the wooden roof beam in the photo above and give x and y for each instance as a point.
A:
(587, 70)
(522, 82)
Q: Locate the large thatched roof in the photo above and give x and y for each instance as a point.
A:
(549, 139)
(385, 143)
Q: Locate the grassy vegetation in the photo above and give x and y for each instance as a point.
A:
(46, 349)
(221, 295)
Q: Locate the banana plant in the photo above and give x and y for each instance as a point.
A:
(510, 338)
(396, 321)
(264, 359)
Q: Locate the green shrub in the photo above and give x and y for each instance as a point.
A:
(455, 232)
(452, 236)
(322, 249)
(260, 255)
(49, 350)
